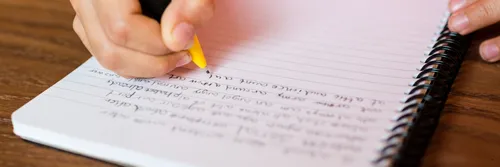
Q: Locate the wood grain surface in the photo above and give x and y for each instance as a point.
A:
(38, 47)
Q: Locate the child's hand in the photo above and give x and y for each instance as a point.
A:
(471, 15)
(133, 45)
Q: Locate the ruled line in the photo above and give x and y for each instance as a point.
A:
(317, 82)
(318, 58)
(340, 111)
(324, 67)
(271, 42)
(328, 76)
(230, 37)
(270, 83)
(336, 54)
(192, 87)
(408, 39)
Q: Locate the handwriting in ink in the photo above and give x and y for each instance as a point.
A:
(290, 108)
(283, 96)
(323, 123)
(321, 145)
(104, 73)
(176, 77)
(114, 114)
(141, 80)
(263, 103)
(373, 110)
(240, 89)
(122, 94)
(205, 83)
(221, 106)
(118, 103)
(252, 142)
(197, 120)
(326, 114)
(333, 105)
(298, 91)
(149, 90)
(166, 94)
(206, 92)
(253, 83)
(366, 120)
(149, 121)
(196, 132)
(163, 93)
(348, 98)
(305, 152)
(173, 127)
(227, 78)
(377, 102)
(169, 85)
(125, 85)
(236, 98)
(157, 83)
(281, 116)
(253, 112)
(240, 117)
(290, 127)
(271, 136)
(328, 134)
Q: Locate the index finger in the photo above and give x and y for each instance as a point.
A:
(126, 26)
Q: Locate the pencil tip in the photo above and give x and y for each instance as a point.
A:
(207, 71)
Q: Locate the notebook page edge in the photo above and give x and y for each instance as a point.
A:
(100, 151)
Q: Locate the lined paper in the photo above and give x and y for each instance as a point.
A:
(294, 83)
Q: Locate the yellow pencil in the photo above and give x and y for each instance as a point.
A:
(197, 55)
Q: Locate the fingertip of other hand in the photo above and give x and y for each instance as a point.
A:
(489, 51)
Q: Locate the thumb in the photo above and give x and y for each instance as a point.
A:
(180, 20)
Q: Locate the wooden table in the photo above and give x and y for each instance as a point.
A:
(38, 47)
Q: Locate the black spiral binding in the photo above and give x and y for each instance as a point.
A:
(418, 121)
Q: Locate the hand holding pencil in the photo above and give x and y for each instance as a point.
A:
(133, 42)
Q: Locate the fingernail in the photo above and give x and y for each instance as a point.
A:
(190, 44)
(490, 52)
(456, 4)
(459, 22)
(183, 61)
(183, 34)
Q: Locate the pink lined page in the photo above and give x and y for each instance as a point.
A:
(295, 83)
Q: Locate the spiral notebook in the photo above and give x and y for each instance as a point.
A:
(294, 83)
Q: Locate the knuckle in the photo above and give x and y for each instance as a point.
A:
(118, 31)
(486, 10)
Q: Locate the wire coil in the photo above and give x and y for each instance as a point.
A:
(421, 111)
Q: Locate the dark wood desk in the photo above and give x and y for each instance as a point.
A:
(38, 47)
